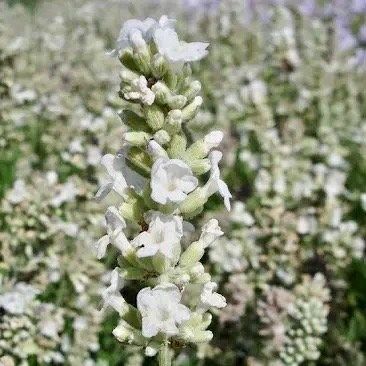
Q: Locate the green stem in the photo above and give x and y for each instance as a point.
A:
(165, 355)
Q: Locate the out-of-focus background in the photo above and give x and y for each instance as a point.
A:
(285, 80)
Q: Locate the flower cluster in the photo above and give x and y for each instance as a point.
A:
(154, 183)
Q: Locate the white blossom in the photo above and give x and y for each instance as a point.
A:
(209, 298)
(171, 180)
(115, 235)
(139, 90)
(175, 51)
(212, 140)
(161, 310)
(119, 176)
(215, 183)
(112, 296)
(142, 29)
(210, 232)
(163, 235)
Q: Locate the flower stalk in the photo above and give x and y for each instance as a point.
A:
(154, 184)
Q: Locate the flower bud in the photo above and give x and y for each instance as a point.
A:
(154, 117)
(156, 151)
(200, 167)
(162, 137)
(127, 76)
(136, 138)
(126, 58)
(177, 146)
(192, 254)
(134, 121)
(191, 109)
(139, 160)
(193, 203)
(193, 89)
(177, 101)
(132, 210)
(173, 121)
(159, 66)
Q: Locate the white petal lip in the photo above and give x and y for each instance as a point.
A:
(171, 180)
(161, 310)
(169, 46)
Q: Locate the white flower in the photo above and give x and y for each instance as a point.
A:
(161, 310)
(112, 296)
(210, 232)
(18, 193)
(17, 300)
(215, 184)
(363, 201)
(175, 51)
(135, 28)
(164, 235)
(209, 298)
(171, 180)
(115, 235)
(139, 90)
(120, 176)
(67, 193)
(212, 140)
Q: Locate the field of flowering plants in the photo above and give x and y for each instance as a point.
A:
(183, 182)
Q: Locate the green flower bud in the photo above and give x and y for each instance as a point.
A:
(132, 208)
(191, 109)
(134, 121)
(162, 137)
(127, 77)
(199, 167)
(126, 58)
(177, 101)
(163, 95)
(159, 66)
(192, 254)
(192, 91)
(177, 146)
(154, 117)
(173, 121)
(136, 138)
(193, 202)
(139, 160)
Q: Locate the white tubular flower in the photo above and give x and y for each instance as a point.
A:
(119, 176)
(139, 90)
(115, 235)
(111, 295)
(215, 184)
(210, 232)
(156, 151)
(209, 298)
(212, 140)
(161, 310)
(171, 181)
(139, 28)
(175, 51)
(164, 235)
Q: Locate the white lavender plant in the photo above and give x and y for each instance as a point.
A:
(156, 193)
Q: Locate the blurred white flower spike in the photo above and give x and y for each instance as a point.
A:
(156, 181)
